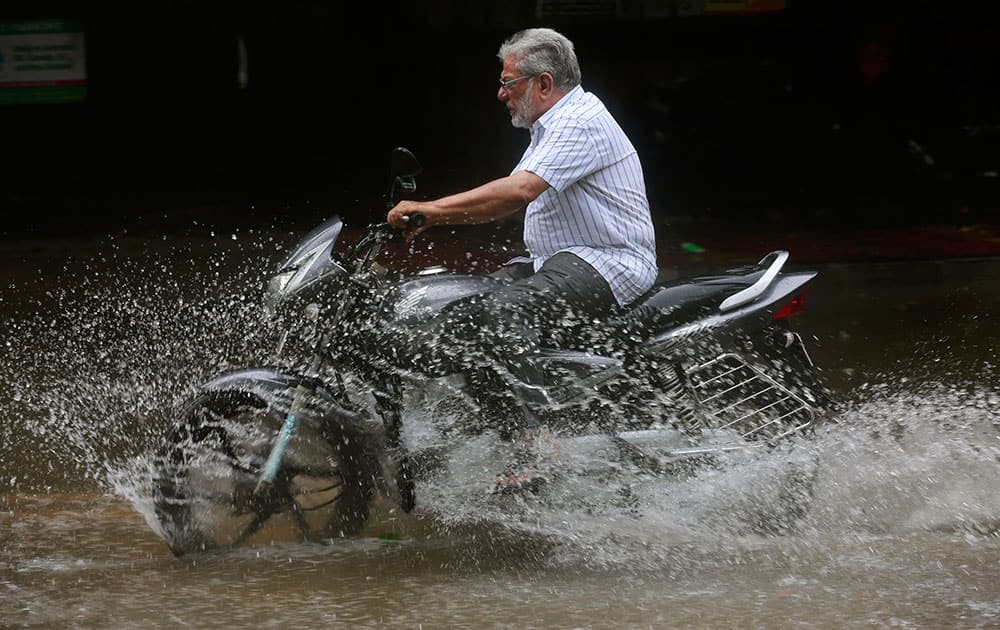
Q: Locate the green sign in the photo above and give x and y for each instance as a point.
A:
(42, 61)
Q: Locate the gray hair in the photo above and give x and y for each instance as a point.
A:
(541, 50)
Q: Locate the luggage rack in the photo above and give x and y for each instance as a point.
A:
(735, 396)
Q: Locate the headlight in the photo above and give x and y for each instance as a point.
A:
(309, 266)
(278, 283)
(276, 290)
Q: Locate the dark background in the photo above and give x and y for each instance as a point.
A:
(826, 113)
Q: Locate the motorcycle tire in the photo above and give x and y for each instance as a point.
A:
(209, 462)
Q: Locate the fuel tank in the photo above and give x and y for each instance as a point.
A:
(420, 297)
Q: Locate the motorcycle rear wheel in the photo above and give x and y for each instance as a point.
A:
(784, 357)
(209, 462)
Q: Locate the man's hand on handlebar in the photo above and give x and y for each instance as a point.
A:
(409, 217)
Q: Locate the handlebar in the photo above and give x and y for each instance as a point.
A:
(381, 233)
(415, 220)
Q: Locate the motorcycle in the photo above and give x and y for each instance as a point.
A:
(696, 369)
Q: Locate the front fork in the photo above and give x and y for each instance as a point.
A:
(397, 473)
(273, 463)
(344, 305)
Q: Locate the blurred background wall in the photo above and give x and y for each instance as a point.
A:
(743, 111)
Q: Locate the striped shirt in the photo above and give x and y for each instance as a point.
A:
(596, 205)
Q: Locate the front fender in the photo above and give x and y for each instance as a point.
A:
(276, 387)
(253, 379)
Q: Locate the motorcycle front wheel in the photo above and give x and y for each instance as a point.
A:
(209, 462)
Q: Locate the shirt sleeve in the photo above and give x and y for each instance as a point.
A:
(565, 155)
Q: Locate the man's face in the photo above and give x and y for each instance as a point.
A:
(518, 97)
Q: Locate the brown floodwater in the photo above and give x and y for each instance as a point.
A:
(98, 339)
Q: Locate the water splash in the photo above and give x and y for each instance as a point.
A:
(99, 350)
(923, 459)
(896, 464)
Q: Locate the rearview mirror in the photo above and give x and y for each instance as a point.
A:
(404, 163)
(403, 167)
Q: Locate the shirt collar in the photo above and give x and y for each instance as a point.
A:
(539, 125)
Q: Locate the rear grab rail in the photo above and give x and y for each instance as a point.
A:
(756, 289)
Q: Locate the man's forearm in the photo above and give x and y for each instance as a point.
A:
(491, 201)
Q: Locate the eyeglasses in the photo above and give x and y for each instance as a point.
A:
(505, 85)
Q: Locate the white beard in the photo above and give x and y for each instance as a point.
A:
(524, 114)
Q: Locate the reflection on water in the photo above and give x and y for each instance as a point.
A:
(901, 526)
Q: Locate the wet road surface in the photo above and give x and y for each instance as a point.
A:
(100, 338)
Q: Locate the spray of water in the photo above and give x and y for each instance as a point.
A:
(98, 352)
(900, 458)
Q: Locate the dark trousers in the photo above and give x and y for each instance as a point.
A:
(504, 329)
(532, 306)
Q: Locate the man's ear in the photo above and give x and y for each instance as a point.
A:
(545, 82)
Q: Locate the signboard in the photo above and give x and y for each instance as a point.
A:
(715, 7)
(42, 61)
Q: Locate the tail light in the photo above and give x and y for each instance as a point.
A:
(796, 305)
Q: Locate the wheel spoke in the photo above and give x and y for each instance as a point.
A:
(321, 505)
(259, 519)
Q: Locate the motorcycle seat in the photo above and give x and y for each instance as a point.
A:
(678, 302)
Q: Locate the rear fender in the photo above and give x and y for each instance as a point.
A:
(783, 290)
(741, 320)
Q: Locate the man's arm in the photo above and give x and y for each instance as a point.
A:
(489, 202)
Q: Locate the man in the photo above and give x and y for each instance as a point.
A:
(587, 225)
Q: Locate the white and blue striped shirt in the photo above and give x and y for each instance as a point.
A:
(596, 205)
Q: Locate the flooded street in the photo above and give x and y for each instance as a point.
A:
(99, 340)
